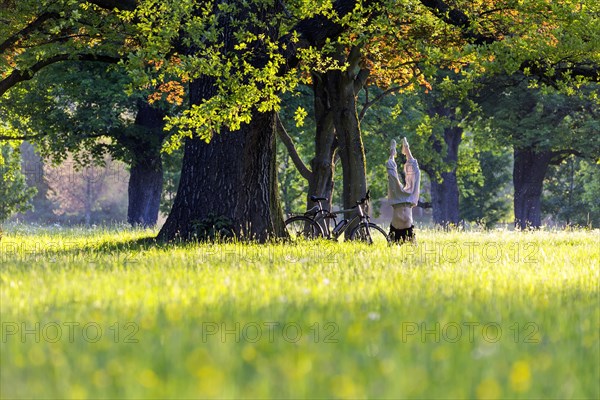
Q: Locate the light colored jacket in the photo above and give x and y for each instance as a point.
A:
(408, 193)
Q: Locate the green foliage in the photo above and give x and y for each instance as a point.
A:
(571, 193)
(547, 41)
(78, 109)
(15, 195)
(213, 227)
(292, 186)
(514, 114)
(65, 109)
(245, 67)
(39, 31)
(483, 187)
(171, 173)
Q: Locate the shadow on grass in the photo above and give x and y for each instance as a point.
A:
(115, 250)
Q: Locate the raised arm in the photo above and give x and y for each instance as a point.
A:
(406, 149)
(392, 149)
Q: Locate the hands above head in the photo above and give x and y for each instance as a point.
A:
(392, 148)
(406, 148)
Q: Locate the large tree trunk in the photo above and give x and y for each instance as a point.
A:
(529, 170)
(146, 175)
(232, 177)
(258, 214)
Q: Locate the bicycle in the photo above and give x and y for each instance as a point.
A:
(315, 223)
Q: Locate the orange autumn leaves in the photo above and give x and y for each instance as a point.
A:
(171, 91)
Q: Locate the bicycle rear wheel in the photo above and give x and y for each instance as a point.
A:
(372, 235)
(302, 228)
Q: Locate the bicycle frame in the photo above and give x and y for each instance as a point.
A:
(322, 215)
(316, 222)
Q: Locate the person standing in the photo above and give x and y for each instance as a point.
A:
(403, 198)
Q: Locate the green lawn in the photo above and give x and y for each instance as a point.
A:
(104, 313)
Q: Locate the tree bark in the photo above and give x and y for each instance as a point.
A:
(258, 214)
(146, 173)
(444, 200)
(321, 182)
(529, 170)
(444, 193)
(232, 177)
(342, 88)
(145, 189)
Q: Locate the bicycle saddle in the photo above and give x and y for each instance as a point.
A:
(315, 198)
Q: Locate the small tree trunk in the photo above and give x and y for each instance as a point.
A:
(146, 173)
(323, 164)
(343, 87)
(444, 193)
(145, 189)
(529, 170)
(89, 200)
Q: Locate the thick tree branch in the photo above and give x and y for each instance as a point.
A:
(39, 21)
(559, 156)
(585, 70)
(20, 76)
(361, 79)
(41, 135)
(289, 145)
(368, 104)
(127, 5)
(59, 39)
(24, 137)
(459, 19)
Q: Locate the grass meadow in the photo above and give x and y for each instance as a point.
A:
(107, 313)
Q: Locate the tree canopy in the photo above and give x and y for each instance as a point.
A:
(238, 59)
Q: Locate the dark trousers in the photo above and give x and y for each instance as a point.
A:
(402, 235)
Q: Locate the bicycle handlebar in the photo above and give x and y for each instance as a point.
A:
(365, 199)
(362, 201)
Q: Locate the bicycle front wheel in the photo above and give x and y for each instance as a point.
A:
(302, 228)
(369, 233)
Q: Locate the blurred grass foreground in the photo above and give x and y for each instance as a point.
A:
(107, 313)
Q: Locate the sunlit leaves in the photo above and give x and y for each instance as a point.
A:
(246, 46)
(299, 116)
